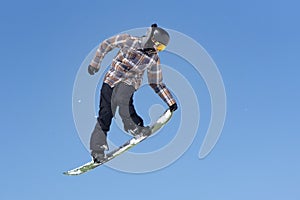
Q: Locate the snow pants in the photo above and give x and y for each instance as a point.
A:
(110, 98)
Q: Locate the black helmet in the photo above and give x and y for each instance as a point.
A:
(154, 36)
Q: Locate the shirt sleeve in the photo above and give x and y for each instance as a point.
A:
(155, 80)
(106, 46)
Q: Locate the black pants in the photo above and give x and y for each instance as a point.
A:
(121, 95)
(110, 98)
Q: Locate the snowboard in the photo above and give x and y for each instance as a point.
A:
(162, 120)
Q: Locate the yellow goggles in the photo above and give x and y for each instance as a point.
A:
(159, 46)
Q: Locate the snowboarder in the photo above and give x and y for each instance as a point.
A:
(136, 55)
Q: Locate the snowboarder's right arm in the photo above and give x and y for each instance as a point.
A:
(105, 47)
(155, 79)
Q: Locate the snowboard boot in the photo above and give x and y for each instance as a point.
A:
(99, 155)
(98, 143)
(140, 130)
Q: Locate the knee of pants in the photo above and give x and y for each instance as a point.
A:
(122, 100)
(122, 94)
(105, 119)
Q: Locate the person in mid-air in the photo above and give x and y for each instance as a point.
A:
(136, 55)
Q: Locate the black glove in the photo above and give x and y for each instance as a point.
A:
(92, 70)
(173, 107)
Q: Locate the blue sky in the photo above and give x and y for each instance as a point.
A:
(256, 48)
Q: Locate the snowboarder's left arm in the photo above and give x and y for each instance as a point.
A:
(155, 80)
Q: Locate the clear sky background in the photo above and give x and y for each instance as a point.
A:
(256, 47)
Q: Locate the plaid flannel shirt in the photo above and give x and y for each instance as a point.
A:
(130, 64)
